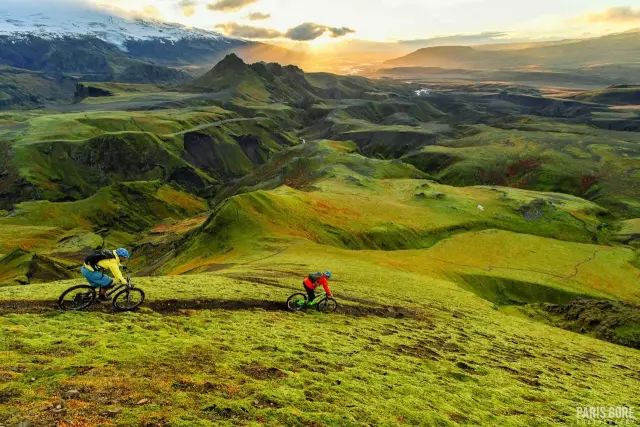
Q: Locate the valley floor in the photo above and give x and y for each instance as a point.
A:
(219, 348)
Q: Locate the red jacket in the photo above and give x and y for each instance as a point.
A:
(321, 281)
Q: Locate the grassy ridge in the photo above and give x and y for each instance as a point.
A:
(542, 155)
(507, 245)
(242, 359)
(70, 156)
(329, 194)
(24, 89)
(616, 95)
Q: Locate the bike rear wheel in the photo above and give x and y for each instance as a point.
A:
(128, 299)
(77, 298)
(297, 302)
(328, 305)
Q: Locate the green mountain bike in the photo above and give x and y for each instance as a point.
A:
(127, 297)
(323, 303)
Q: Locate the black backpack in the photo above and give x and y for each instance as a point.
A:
(93, 259)
(315, 276)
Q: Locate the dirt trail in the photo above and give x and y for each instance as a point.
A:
(361, 308)
(177, 306)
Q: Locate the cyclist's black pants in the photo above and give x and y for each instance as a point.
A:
(311, 294)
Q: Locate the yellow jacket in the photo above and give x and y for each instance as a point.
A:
(113, 265)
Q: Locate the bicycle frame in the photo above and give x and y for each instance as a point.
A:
(319, 297)
(128, 285)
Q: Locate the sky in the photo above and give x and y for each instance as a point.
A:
(326, 21)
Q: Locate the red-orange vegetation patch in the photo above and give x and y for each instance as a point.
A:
(77, 404)
(522, 166)
(27, 243)
(516, 174)
(180, 227)
(332, 209)
(339, 146)
(185, 201)
(202, 263)
(82, 421)
(587, 181)
(231, 389)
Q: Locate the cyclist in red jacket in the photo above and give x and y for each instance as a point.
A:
(312, 281)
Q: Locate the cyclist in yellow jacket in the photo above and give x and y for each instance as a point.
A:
(101, 262)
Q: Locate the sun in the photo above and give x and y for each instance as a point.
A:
(321, 43)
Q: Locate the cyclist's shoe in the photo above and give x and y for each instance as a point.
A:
(102, 298)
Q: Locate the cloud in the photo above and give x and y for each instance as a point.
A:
(303, 32)
(258, 16)
(459, 39)
(229, 5)
(310, 31)
(339, 32)
(622, 14)
(306, 31)
(188, 7)
(248, 32)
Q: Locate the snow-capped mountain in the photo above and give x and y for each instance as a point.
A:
(73, 38)
(70, 37)
(55, 19)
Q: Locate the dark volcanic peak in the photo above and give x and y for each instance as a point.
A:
(273, 70)
(230, 62)
(268, 82)
(258, 82)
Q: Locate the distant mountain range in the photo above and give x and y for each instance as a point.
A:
(70, 41)
(621, 48)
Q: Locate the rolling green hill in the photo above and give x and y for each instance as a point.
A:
(36, 231)
(106, 147)
(337, 198)
(573, 159)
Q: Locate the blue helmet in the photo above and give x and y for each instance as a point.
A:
(327, 274)
(123, 253)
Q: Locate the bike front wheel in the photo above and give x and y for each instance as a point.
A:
(77, 298)
(297, 302)
(328, 305)
(128, 299)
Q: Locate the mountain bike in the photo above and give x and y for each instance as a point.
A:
(323, 303)
(127, 297)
